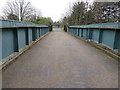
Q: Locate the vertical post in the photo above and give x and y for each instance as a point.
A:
(100, 36)
(65, 28)
(27, 36)
(117, 40)
(81, 32)
(50, 28)
(78, 31)
(1, 45)
(71, 30)
(45, 30)
(68, 29)
(16, 45)
(42, 31)
(90, 33)
(74, 30)
(39, 31)
(87, 33)
(33, 34)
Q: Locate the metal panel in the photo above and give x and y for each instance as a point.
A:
(79, 32)
(117, 40)
(85, 33)
(102, 33)
(0, 44)
(30, 35)
(12, 23)
(16, 35)
(21, 38)
(7, 42)
(37, 33)
(95, 35)
(108, 38)
(100, 25)
(34, 34)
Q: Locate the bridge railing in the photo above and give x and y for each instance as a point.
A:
(107, 34)
(14, 36)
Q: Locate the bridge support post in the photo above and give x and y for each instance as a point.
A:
(78, 31)
(100, 36)
(16, 47)
(1, 44)
(34, 33)
(81, 32)
(38, 31)
(87, 34)
(27, 36)
(117, 40)
(90, 33)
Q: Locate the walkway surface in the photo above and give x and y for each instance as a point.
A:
(60, 60)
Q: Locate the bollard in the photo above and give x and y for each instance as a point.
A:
(50, 28)
(65, 28)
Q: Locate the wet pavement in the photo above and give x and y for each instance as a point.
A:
(60, 60)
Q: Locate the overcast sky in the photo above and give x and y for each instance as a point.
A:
(49, 8)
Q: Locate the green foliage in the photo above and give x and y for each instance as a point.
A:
(83, 13)
(106, 12)
(77, 15)
(12, 17)
(44, 21)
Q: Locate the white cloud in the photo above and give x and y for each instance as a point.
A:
(51, 8)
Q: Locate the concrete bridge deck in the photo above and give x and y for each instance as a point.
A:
(60, 60)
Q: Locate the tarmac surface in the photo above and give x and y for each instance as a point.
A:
(60, 60)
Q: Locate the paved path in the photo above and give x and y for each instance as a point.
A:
(60, 60)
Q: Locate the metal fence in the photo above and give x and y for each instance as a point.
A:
(16, 35)
(107, 34)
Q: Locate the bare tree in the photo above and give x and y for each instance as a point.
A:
(20, 8)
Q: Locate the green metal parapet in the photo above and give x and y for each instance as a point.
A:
(106, 34)
(16, 24)
(115, 25)
(17, 35)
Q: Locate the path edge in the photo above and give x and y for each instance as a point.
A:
(12, 58)
(98, 47)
